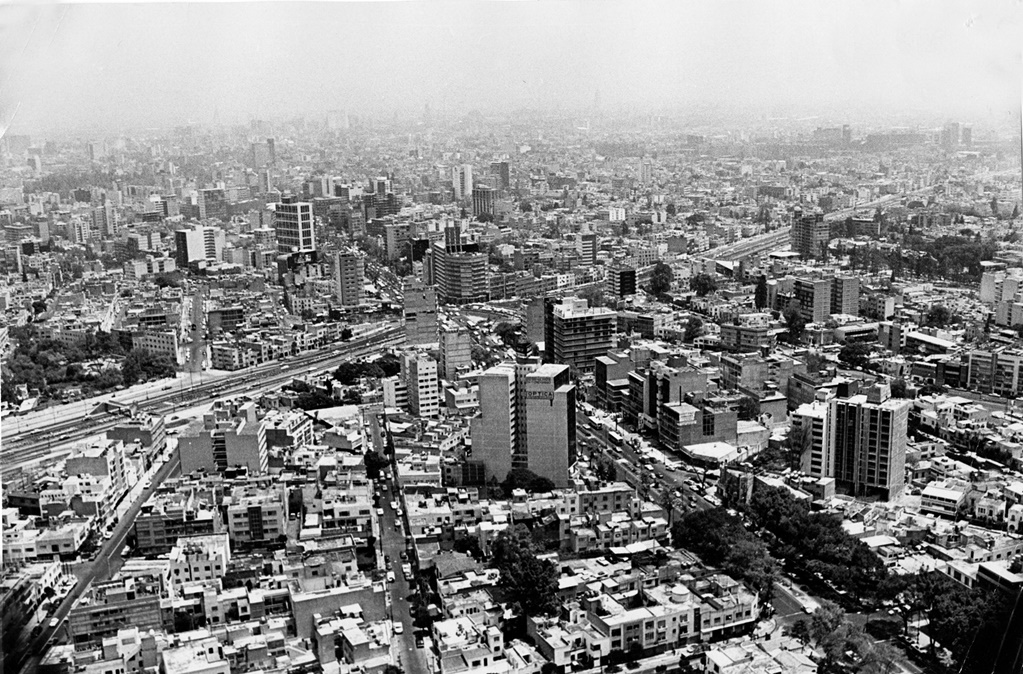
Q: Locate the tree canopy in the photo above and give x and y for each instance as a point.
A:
(523, 478)
(661, 279)
(703, 284)
(855, 354)
(531, 582)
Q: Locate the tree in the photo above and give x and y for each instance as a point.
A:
(693, 328)
(855, 354)
(747, 408)
(760, 295)
(661, 279)
(393, 669)
(523, 478)
(592, 294)
(938, 316)
(825, 620)
(702, 284)
(374, 464)
(800, 630)
(898, 388)
(531, 582)
(795, 323)
(670, 209)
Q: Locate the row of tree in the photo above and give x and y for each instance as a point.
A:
(814, 542)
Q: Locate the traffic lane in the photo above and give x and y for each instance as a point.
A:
(786, 605)
(413, 659)
(101, 563)
(672, 480)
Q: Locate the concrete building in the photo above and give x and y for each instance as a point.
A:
(225, 437)
(419, 373)
(526, 420)
(455, 352)
(810, 426)
(867, 434)
(810, 234)
(349, 277)
(461, 181)
(482, 201)
(458, 269)
(293, 223)
(419, 311)
(576, 334)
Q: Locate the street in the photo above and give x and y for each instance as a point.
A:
(106, 560)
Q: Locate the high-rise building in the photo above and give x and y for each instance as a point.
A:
(526, 420)
(482, 201)
(867, 438)
(575, 334)
(419, 373)
(810, 425)
(419, 311)
(455, 352)
(621, 281)
(458, 269)
(105, 221)
(501, 172)
(810, 233)
(349, 277)
(813, 298)
(845, 295)
(461, 181)
(198, 244)
(587, 246)
(213, 204)
(293, 221)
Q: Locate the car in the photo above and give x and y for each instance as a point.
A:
(54, 623)
(380, 512)
(403, 555)
(387, 560)
(419, 642)
(398, 627)
(390, 577)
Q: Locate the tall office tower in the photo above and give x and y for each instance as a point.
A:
(867, 437)
(586, 244)
(293, 221)
(646, 172)
(97, 150)
(271, 147)
(349, 277)
(810, 233)
(810, 425)
(967, 138)
(575, 334)
(813, 297)
(198, 244)
(381, 185)
(419, 312)
(419, 373)
(550, 448)
(621, 281)
(461, 181)
(458, 270)
(482, 201)
(845, 295)
(535, 316)
(501, 172)
(189, 246)
(526, 420)
(455, 352)
(104, 221)
(494, 428)
(213, 204)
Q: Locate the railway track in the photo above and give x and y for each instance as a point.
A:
(22, 450)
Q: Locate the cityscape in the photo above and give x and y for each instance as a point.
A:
(514, 338)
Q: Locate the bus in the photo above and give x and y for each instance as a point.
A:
(614, 438)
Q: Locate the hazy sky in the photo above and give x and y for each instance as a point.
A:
(68, 66)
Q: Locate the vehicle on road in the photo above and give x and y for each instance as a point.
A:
(54, 623)
(390, 577)
(398, 627)
(419, 642)
(380, 512)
